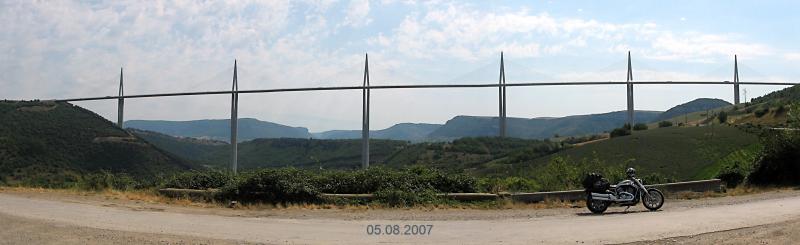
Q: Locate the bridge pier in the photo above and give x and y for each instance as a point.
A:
(120, 102)
(735, 80)
(365, 116)
(234, 120)
(502, 98)
(630, 92)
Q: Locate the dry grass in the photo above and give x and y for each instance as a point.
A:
(145, 196)
(738, 191)
(152, 197)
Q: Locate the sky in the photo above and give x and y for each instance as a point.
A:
(67, 49)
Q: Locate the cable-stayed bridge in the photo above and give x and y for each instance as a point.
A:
(366, 88)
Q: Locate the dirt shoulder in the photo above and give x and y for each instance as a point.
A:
(147, 202)
(787, 232)
(16, 230)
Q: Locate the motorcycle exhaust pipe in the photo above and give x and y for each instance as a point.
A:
(603, 197)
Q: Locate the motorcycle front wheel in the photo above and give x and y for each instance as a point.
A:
(654, 200)
(596, 206)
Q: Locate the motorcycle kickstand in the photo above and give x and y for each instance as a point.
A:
(626, 209)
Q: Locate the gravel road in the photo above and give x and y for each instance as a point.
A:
(119, 224)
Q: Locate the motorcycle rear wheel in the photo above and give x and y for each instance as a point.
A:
(654, 201)
(596, 206)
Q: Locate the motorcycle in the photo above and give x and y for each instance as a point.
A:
(600, 194)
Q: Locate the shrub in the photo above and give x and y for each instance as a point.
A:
(762, 112)
(731, 178)
(723, 117)
(559, 174)
(518, 184)
(640, 126)
(200, 180)
(780, 110)
(376, 178)
(664, 124)
(287, 185)
(780, 159)
(617, 132)
(105, 180)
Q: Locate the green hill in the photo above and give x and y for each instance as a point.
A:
(466, 154)
(681, 153)
(537, 128)
(402, 131)
(281, 152)
(473, 155)
(219, 129)
(47, 142)
(702, 104)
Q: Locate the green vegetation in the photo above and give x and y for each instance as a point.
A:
(761, 112)
(219, 129)
(698, 105)
(54, 144)
(675, 152)
(537, 128)
(483, 156)
(474, 155)
(623, 131)
(283, 152)
(582, 139)
(779, 163)
(61, 145)
(722, 116)
(404, 187)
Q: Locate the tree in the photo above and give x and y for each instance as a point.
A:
(723, 117)
(664, 124)
(640, 126)
(617, 132)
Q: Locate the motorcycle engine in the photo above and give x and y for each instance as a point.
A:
(625, 192)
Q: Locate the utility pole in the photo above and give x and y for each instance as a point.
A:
(120, 102)
(735, 80)
(234, 119)
(630, 93)
(365, 116)
(502, 98)
(745, 95)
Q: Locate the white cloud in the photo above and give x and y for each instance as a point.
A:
(792, 56)
(467, 33)
(357, 14)
(701, 47)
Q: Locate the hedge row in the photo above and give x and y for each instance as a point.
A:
(274, 185)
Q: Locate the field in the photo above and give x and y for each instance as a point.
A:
(677, 152)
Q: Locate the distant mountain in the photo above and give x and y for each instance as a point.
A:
(219, 129)
(472, 154)
(538, 128)
(403, 131)
(701, 104)
(457, 127)
(46, 143)
(313, 153)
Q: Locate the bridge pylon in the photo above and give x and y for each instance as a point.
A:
(120, 102)
(735, 80)
(365, 116)
(629, 86)
(234, 120)
(502, 98)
